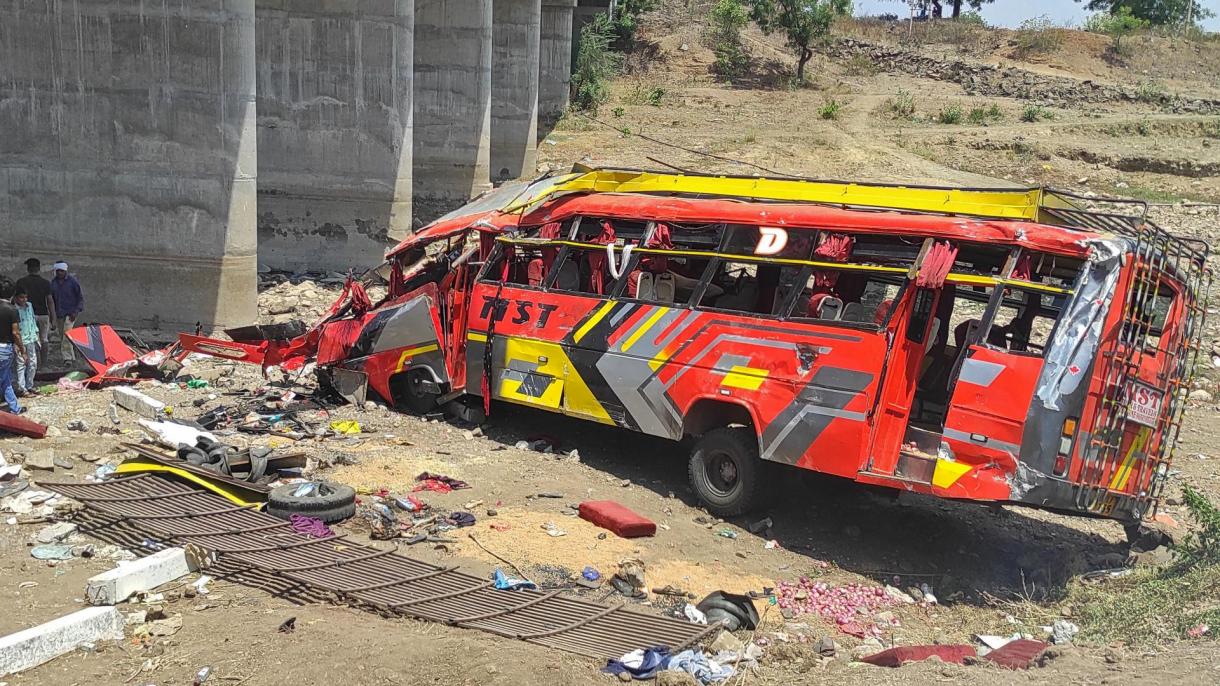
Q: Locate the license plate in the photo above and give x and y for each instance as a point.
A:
(1144, 404)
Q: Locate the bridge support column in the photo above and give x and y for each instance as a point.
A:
(452, 87)
(554, 61)
(514, 88)
(335, 131)
(129, 151)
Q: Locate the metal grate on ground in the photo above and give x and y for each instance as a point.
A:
(379, 578)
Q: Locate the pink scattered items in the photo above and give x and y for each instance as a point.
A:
(310, 526)
(438, 483)
(850, 606)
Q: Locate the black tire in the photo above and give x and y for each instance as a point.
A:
(332, 503)
(408, 391)
(338, 514)
(724, 470)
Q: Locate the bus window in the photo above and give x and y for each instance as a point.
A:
(1025, 321)
(741, 287)
(869, 299)
(1153, 315)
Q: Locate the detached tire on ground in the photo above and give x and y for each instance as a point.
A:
(724, 470)
(330, 503)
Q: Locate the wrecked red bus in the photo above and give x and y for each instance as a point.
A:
(1001, 346)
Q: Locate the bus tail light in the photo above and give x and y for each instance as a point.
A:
(1066, 440)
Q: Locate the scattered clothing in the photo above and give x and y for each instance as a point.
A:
(310, 526)
(640, 664)
(699, 665)
(439, 483)
(508, 583)
(460, 519)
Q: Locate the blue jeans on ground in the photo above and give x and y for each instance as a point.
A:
(8, 359)
(26, 370)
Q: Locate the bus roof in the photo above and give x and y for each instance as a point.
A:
(1032, 216)
(807, 216)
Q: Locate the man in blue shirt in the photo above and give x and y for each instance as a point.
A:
(69, 303)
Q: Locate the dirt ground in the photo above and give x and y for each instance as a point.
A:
(975, 558)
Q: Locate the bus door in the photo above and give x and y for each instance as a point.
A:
(913, 332)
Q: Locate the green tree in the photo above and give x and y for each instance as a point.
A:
(1117, 26)
(1155, 12)
(804, 23)
(728, 18)
(595, 64)
(626, 20)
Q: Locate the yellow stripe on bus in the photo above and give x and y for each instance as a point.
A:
(643, 329)
(1119, 482)
(412, 352)
(745, 378)
(597, 317)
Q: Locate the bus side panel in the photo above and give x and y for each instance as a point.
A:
(986, 418)
(644, 366)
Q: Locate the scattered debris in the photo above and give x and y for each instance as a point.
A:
(288, 626)
(56, 532)
(849, 606)
(1063, 631)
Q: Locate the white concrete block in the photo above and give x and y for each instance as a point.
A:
(32, 647)
(118, 584)
(130, 399)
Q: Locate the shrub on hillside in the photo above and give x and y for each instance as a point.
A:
(728, 18)
(596, 63)
(1038, 36)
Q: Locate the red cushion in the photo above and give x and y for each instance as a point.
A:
(1017, 654)
(610, 515)
(16, 424)
(895, 657)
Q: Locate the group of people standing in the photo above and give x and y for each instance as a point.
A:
(30, 311)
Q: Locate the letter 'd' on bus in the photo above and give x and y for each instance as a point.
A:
(771, 240)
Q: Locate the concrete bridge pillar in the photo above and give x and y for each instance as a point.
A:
(452, 87)
(128, 148)
(335, 131)
(514, 88)
(555, 60)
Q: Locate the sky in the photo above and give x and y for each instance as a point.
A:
(1010, 13)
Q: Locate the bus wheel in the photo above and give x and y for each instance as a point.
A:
(415, 390)
(724, 470)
